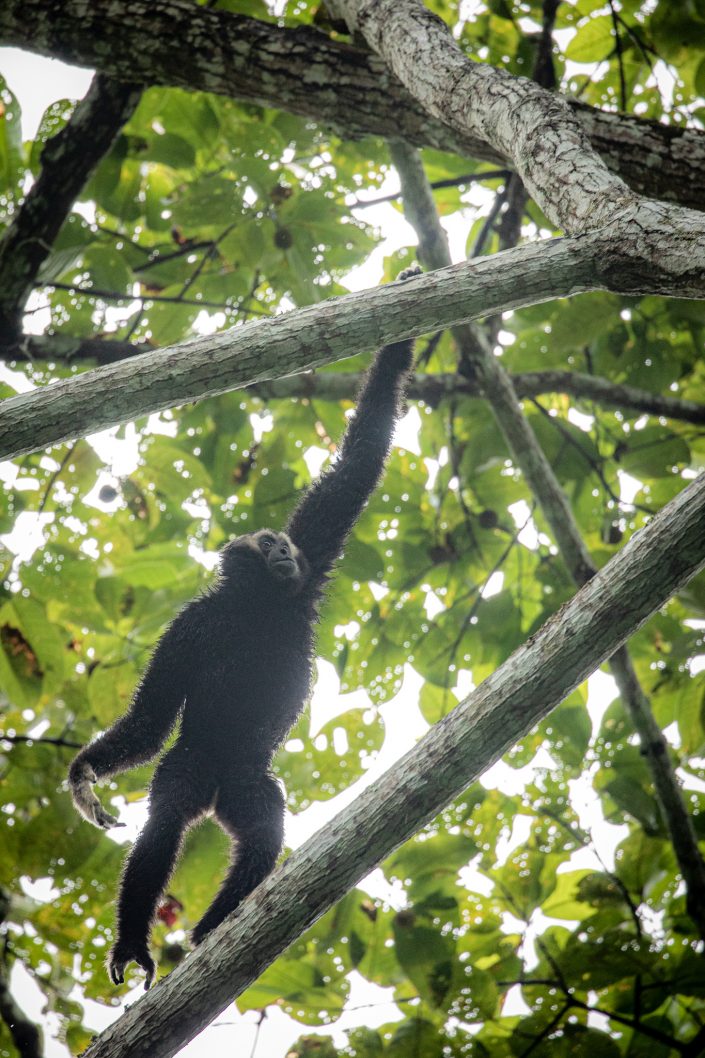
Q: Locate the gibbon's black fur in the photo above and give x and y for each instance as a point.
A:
(235, 666)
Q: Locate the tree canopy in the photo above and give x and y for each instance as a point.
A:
(190, 227)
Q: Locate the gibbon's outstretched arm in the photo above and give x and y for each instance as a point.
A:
(137, 736)
(328, 510)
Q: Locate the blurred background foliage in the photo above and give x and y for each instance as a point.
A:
(520, 922)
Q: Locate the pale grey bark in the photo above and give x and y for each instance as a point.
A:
(430, 388)
(308, 337)
(653, 565)
(330, 82)
(320, 334)
(548, 146)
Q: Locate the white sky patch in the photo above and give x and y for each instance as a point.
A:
(207, 323)
(602, 690)
(529, 535)
(38, 81)
(42, 889)
(628, 486)
(37, 315)
(515, 836)
(262, 423)
(314, 458)
(27, 534)
(464, 684)
(432, 469)
(494, 585)
(406, 431)
(17, 379)
(432, 605)
(582, 421)
(121, 454)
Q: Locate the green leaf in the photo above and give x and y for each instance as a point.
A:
(332, 759)
(415, 1037)
(11, 153)
(593, 41)
(654, 452)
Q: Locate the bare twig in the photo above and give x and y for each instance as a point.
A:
(620, 58)
(456, 181)
(40, 740)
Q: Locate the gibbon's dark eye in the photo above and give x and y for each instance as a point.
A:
(266, 544)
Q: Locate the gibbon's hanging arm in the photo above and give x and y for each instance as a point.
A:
(235, 665)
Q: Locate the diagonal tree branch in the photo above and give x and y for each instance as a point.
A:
(303, 71)
(543, 671)
(296, 341)
(335, 329)
(344, 385)
(530, 458)
(67, 161)
(72, 350)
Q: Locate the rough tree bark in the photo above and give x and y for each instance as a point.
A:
(546, 142)
(303, 71)
(308, 337)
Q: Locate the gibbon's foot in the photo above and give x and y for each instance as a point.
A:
(87, 803)
(201, 930)
(124, 952)
(198, 933)
(409, 273)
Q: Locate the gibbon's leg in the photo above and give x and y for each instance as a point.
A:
(253, 814)
(179, 794)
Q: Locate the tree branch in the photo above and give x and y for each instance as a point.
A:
(538, 131)
(344, 385)
(432, 388)
(309, 337)
(60, 347)
(67, 161)
(292, 342)
(653, 565)
(64, 743)
(302, 71)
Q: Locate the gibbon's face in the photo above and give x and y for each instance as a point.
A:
(282, 558)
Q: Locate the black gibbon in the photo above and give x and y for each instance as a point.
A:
(235, 665)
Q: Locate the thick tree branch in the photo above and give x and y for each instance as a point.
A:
(309, 337)
(543, 671)
(304, 72)
(67, 161)
(286, 344)
(344, 385)
(538, 131)
(531, 459)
